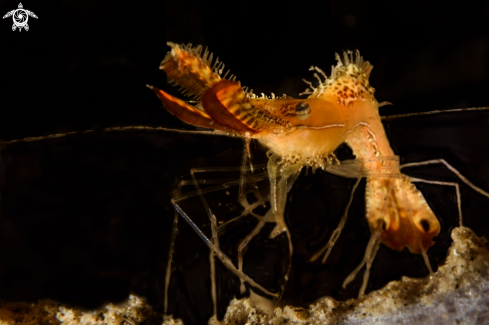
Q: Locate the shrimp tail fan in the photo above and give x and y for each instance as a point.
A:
(408, 220)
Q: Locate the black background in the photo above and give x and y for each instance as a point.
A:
(87, 218)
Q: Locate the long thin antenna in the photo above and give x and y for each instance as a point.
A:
(116, 128)
(436, 112)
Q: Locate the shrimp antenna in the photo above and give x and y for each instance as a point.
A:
(116, 128)
(435, 112)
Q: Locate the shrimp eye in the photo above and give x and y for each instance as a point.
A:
(302, 110)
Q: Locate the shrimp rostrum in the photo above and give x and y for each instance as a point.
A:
(304, 133)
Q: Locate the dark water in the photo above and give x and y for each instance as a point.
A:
(87, 219)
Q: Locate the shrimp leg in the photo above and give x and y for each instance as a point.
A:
(371, 250)
(456, 172)
(337, 232)
(350, 169)
(249, 176)
(213, 242)
(457, 190)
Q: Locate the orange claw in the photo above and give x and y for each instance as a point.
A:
(188, 113)
(224, 103)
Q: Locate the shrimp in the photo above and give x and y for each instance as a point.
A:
(302, 133)
(298, 134)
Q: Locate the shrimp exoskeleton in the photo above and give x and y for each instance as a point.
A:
(305, 133)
